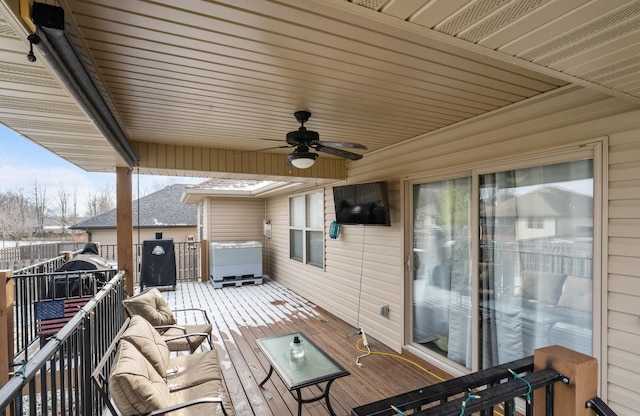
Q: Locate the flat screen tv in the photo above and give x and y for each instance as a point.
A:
(362, 204)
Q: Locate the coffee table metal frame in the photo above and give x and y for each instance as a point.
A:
(314, 368)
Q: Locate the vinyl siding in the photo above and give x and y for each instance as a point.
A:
(235, 219)
(359, 257)
(623, 284)
(365, 266)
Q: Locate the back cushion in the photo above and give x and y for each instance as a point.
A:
(151, 306)
(543, 287)
(577, 294)
(135, 386)
(149, 342)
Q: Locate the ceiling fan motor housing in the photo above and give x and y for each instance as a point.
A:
(302, 136)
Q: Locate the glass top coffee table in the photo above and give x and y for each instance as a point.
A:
(314, 368)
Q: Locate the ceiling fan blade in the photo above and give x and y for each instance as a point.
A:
(273, 147)
(343, 145)
(262, 150)
(337, 152)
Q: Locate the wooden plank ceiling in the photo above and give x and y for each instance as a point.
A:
(229, 75)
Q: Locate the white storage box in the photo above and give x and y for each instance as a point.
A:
(235, 260)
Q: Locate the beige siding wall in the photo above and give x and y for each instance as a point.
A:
(235, 220)
(365, 266)
(623, 298)
(361, 256)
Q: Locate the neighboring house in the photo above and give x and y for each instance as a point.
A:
(548, 212)
(160, 211)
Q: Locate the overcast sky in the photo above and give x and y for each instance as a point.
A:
(22, 162)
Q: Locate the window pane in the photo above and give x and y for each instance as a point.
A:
(536, 254)
(315, 210)
(315, 242)
(296, 245)
(296, 211)
(442, 277)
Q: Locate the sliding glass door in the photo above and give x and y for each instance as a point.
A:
(536, 260)
(441, 273)
(532, 281)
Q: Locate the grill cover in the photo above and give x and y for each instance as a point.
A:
(158, 263)
(80, 284)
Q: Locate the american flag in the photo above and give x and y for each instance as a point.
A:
(52, 315)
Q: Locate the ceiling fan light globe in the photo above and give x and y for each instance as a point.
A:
(303, 160)
(302, 163)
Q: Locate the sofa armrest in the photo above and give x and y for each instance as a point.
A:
(203, 400)
(191, 334)
(202, 311)
(163, 328)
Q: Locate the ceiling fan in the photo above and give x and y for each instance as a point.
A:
(304, 140)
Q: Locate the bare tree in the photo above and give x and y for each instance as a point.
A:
(74, 205)
(63, 199)
(101, 201)
(17, 216)
(39, 206)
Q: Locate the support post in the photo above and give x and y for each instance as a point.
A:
(204, 261)
(6, 325)
(582, 372)
(124, 226)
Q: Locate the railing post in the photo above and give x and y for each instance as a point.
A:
(204, 261)
(581, 371)
(6, 325)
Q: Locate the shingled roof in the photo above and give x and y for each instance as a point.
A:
(159, 209)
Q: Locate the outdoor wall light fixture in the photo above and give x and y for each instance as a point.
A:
(301, 158)
(54, 46)
(33, 40)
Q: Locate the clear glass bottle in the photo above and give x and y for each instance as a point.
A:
(296, 349)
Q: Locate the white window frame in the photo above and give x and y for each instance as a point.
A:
(535, 223)
(305, 228)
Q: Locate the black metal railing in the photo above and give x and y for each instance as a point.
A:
(495, 388)
(29, 289)
(600, 407)
(57, 378)
(47, 266)
(187, 258)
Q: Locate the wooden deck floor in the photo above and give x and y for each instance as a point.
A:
(245, 313)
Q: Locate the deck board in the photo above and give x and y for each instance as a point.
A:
(242, 314)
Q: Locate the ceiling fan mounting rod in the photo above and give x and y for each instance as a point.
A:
(302, 116)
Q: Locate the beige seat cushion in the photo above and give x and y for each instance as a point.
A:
(135, 386)
(151, 345)
(577, 294)
(213, 388)
(190, 370)
(151, 306)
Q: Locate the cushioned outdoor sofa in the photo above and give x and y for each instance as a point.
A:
(137, 376)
